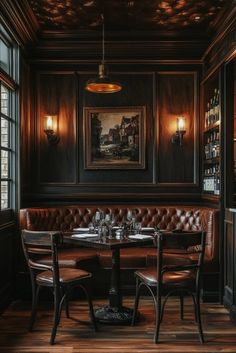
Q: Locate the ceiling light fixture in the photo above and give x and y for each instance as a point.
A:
(102, 83)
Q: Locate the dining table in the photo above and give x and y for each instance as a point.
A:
(114, 312)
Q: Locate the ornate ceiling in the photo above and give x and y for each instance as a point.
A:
(166, 15)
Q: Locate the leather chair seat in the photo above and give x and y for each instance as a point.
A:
(175, 278)
(73, 258)
(66, 275)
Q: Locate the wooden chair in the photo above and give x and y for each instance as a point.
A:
(166, 280)
(60, 280)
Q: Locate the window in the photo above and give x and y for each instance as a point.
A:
(8, 117)
(5, 56)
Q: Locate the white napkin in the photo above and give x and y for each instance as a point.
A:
(140, 236)
(84, 235)
(148, 228)
(81, 229)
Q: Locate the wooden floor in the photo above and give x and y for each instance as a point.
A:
(78, 336)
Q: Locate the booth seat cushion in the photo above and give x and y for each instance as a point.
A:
(133, 258)
(74, 258)
(169, 259)
(191, 217)
(180, 259)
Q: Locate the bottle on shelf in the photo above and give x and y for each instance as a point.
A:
(207, 115)
(211, 179)
(217, 105)
(212, 147)
(212, 111)
(211, 115)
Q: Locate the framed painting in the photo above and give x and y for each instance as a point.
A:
(114, 138)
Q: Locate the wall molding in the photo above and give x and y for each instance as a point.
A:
(20, 18)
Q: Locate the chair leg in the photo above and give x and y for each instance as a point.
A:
(181, 297)
(90, 303)
(35, 295)
(199, 321)
(56, 318)
(136, 303)
(66, 301)
(158, 318)
(198, 316)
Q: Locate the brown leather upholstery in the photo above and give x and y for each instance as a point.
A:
(165, 217)
(129, 258)
(66, 275)
(73, 257)
(184, 278)
(181, 259)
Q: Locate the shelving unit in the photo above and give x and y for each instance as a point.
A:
(211, 138)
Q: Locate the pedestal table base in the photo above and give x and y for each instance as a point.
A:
(111, 315)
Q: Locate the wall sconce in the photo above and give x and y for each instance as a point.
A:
(50, 126)
(177, 138)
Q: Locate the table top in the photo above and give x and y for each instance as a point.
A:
(106, 243)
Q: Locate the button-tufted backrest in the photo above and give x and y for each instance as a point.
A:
(165, 217)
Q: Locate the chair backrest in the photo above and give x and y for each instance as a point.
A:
(37, 244)
(180, 243)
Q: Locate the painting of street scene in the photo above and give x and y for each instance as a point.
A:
(114, 138)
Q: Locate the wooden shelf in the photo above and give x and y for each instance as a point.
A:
(208, 195)
(212, 127)
(212, 160)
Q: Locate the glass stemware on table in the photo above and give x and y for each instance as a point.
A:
(111, 226)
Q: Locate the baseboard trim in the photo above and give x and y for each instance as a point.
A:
(211, 297)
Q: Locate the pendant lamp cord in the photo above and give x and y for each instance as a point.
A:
(103, 42)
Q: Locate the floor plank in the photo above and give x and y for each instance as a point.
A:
(76, 335)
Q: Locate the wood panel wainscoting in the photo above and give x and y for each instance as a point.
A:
(8, 257)
(76, 335)
(58, 171)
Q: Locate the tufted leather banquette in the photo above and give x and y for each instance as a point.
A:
(66, 218)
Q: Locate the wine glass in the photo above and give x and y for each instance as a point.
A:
(131, 217)
(97, 216)
(138, 227)
(109, 221)
(91, 227)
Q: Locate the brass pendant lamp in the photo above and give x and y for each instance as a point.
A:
(102, 83)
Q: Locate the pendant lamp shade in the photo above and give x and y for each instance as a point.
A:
(102, 83)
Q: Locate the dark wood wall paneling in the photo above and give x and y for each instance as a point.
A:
(137, 91)
(56, 95)
(229, 298)
(58, 171)
(177, 95)
(8, 257)
(26, 126)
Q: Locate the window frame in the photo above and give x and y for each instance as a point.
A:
(10, 81)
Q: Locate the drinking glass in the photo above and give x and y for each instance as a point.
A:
(138, 227)
(131, 217)
(91, 227)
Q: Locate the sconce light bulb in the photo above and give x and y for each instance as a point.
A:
(180, 124)
(177, 138)
(49, 123)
